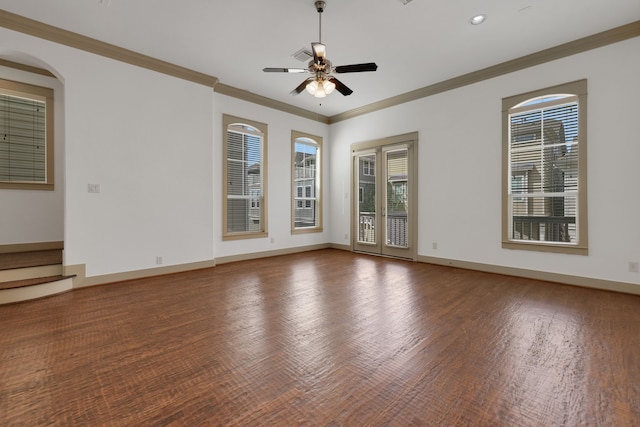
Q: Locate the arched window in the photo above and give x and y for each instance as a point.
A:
(244, 198)
(306, 181)
(544, 172)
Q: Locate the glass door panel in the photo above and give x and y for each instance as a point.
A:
(383, 214)
(397, 198)
(367, 219)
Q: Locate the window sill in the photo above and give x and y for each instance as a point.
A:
(306, 230)
(546, 247)
(245, 235)
(25, 186)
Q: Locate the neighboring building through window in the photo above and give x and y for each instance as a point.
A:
(544, 156)
(306, 206)
(26, 136)
(368, 167)
(244, 190)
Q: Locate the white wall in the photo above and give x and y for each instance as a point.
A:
(280, 126)
(460, 165)
(154, 144)
(146, 138)
(31, 216)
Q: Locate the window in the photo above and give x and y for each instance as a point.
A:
(306, 206)
(308, 196)
(299, 201)
(368, 167)
(519, 182)
(26, 136)
(545, 170)
(245, 178)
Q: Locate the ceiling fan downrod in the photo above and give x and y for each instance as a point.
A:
(320, 5)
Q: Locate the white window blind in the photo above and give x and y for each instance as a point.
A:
(23, 143)
(543, 163)
(244, 189)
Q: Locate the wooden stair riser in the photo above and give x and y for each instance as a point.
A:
(10, 261)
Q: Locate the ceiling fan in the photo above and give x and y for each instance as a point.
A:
(322, 82)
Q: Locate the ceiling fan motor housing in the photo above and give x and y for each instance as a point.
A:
(320, 6)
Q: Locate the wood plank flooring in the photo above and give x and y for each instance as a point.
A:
(323, 338)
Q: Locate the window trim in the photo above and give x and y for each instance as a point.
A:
(578, 88)
(262, 127)
(39, 93)
(317, 141)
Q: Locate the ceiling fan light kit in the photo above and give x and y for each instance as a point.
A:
(320, 89)
(322, 82)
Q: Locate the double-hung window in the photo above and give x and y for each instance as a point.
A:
(26, 136)
(544, 170)
(306, 183)
(244, 207)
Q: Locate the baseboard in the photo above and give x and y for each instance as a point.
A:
(31, 247)
(565, 279)
(81, 280)
(266, 254)
(341, 247)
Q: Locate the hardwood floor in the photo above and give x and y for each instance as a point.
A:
(323, 338)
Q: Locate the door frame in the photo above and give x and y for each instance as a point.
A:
(379, 146)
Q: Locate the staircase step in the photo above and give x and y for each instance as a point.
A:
(9, 261)
(22, 290)
(30, 272)
(30, 282)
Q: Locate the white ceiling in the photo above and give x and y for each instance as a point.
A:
(414, 45)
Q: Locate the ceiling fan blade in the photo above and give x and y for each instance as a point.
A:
(300, 87)
(340, 87)
(319, 52)
(284, 70)
(356, 68)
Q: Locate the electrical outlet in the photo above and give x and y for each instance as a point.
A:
(634, 267)
(346, 236)
(93, 188)
(159, 260)
(273, 240)
(434, 245)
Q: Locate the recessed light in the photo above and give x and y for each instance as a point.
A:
(478, 19)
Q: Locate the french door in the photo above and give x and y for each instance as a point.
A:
(384, 192)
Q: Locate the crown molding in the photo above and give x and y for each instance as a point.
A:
(41, 30)
(27, 68)
(268, 102)
(584, 44)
